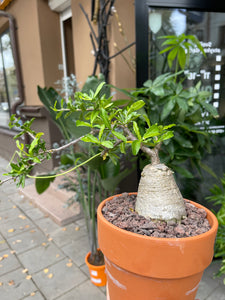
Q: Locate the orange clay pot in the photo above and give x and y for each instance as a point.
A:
(150, 268)
(97, 273)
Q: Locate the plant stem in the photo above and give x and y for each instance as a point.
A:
(68, 171)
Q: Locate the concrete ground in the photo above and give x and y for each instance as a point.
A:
(41, 260)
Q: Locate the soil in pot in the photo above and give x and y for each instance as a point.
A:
(120, 211)
(96, 259)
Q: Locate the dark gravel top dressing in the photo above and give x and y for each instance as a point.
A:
(120, 212)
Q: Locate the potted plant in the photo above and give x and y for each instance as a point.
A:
(137, 265)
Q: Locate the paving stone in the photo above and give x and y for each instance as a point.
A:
(47, 225)
(5, 203)
(206, 286)
(27, 240)
(63, 279)
(16, 226)
(12, 213)
(3, 243)
(36, 295)
(14, 285)
(217, 294)
(10, 188)
(8, 262)
(22, 202)
(35, 214)
(77, 250)
(40, 257)
(85, 291)
(64, 236)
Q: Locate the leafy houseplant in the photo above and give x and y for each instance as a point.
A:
(169, 100)
(114, 128)
(218, 199)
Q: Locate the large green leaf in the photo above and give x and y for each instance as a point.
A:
(42, 184)
(168, 107)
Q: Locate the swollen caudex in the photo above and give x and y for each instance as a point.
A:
(158, 194)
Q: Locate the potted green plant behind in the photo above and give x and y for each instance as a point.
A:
(142, 261)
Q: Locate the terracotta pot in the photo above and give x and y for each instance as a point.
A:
(97, 273)
(150, 268)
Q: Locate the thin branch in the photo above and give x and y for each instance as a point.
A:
(153, 154)
(70, 143)
(89, 23)
(122, 50)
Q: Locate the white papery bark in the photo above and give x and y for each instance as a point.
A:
(158, 194)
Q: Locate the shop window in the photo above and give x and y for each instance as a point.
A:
(209, 28)
(8, 80)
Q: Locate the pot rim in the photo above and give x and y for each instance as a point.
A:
(210, 217)
(93, 266)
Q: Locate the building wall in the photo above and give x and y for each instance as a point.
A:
(39, 45)
(39, 42)
(120, 73)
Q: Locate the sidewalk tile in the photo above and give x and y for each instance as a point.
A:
(27, 240)
(5, 203)
(206, 286)
(35, 214)
(60, 279)
(85, 291)
(12, 213)
(64, 235)
(20, 201)
(3, 243)
(16, 226)
(77, 250)
(35, 296)
(218, 294)
(14, 285)
(8, 262)
(47, 225)
(41, 257)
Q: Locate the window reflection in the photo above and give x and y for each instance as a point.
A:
(8, 81)
(209, 27)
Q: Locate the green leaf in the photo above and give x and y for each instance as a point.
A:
(167, 108)
(119, 135)
(184, 172)
(66, 159)
(42, 184)
(105, 118)
(147, 120)
(182, 58)
(101, 131)
(122, 148)
(166, 136)
(82, 123)
(136, 145)
(136, 130)
(136, 106)
(152, 131)
(98, 89)
(107, 144)
(183, 141)
(210, 108)
(89, 138)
